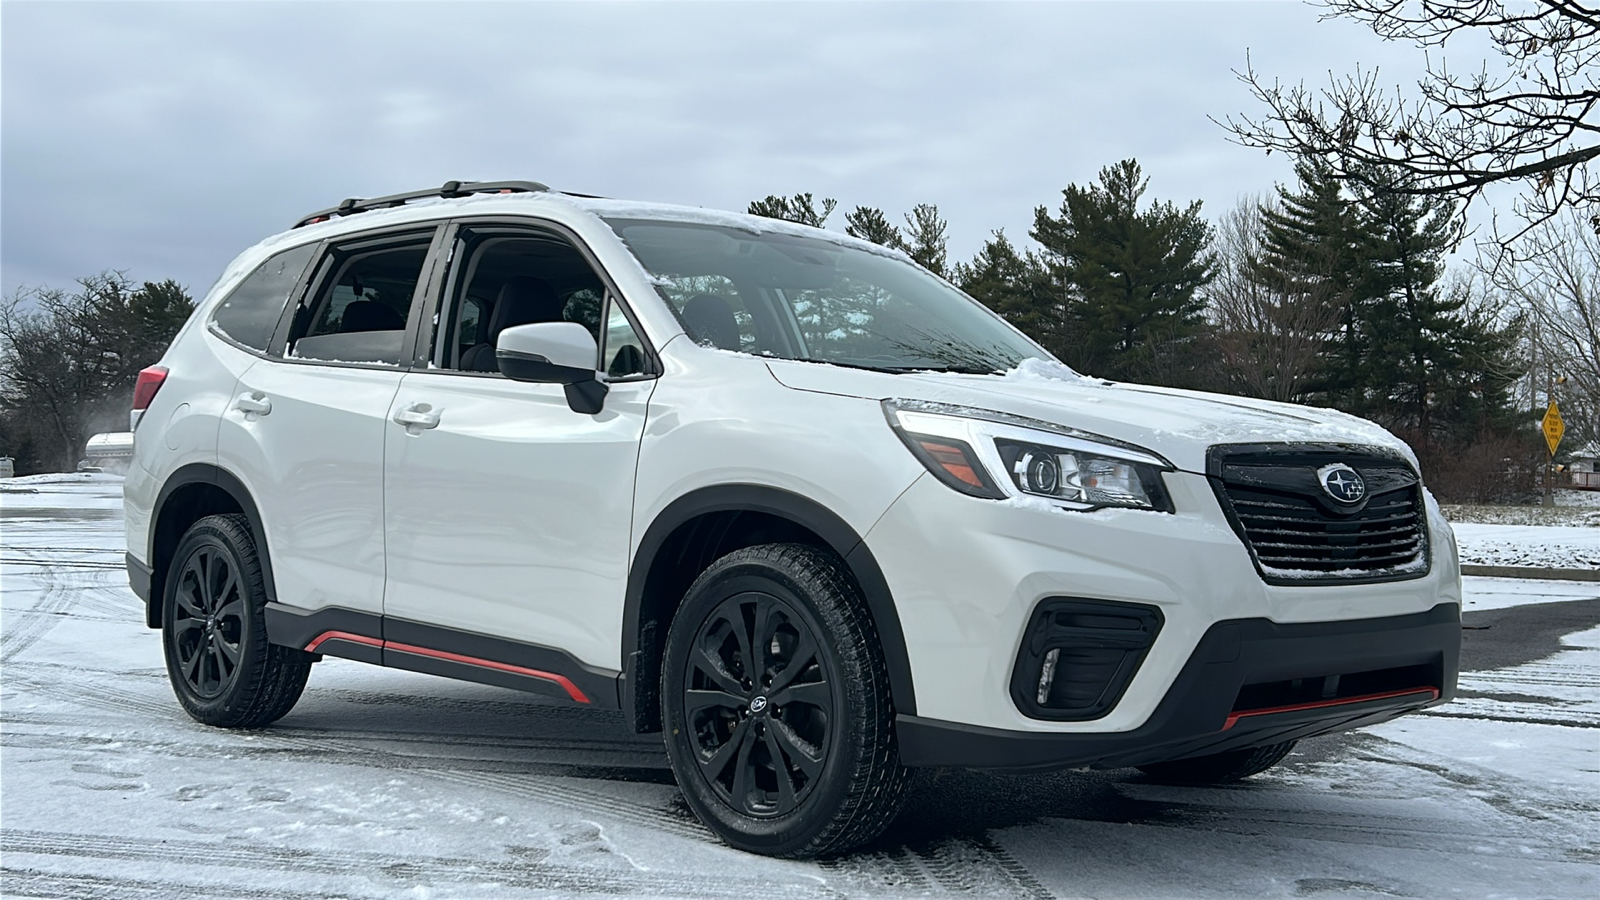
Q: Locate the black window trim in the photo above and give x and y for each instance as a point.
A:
(422, 349)
(293, 298)
(360, 240)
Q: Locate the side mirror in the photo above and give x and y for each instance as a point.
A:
(561, 353)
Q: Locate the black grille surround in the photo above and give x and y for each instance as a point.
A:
(1297, 534)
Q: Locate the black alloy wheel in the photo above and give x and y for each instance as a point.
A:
(214, 633)
(776, 702)
(208, 621)
(760, 702)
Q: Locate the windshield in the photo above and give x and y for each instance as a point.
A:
(796, 297)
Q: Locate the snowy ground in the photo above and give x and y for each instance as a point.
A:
(1545, 546)
(1566, 536)
(390, 784)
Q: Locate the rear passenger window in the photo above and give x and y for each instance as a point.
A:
(363, 297)
(251, 312)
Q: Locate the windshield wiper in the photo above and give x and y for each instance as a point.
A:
(899, 369)
(958, 370)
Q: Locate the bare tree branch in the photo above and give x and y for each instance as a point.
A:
(1530, 116)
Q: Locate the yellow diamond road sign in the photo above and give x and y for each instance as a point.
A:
(1554, 428)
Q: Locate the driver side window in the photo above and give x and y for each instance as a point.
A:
(503, 277)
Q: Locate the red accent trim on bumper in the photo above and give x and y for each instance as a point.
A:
(342, 636)
(1233, 719)
(562, 681)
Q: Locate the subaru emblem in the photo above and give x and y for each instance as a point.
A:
(1342, 483)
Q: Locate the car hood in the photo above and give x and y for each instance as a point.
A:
(1179, 425)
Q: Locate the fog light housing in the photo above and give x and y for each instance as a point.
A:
(1077, 656)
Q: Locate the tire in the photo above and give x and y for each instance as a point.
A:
(1219, 768)
(214, 631)
(818, 704)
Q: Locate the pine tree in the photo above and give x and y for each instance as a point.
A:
(1312, 253)
(926, 241)
(1017, 286)
(1128, 278)
(1423, 358)
(1430, 362)
(870, 224)
(800, 208)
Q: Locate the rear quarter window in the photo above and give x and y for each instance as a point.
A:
(250, 313)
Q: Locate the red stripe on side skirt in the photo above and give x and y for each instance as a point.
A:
(342, 636)
(561, 680)
(1233, 719)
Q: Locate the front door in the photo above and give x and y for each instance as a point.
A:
(507, 515)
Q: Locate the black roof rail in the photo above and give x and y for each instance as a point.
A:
(354, 205)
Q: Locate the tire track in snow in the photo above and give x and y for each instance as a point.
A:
(358, 745)
(581, 798)
(971, 866)
(960, 865)
(265, 747)
(21, 882)
(44, 615)
(529, 871)
(955, 866)
(105, 697)
(60, 597)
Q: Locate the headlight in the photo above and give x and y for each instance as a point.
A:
(968, 448)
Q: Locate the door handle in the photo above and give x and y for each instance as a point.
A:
(253, 403)
(417, 417)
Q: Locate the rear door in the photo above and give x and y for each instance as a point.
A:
(507, 514)
(305, 428)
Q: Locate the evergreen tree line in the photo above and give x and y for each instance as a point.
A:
(69, 360)
(1327, 293)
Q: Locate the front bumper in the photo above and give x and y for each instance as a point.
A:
(1201, 713)
(967, 574)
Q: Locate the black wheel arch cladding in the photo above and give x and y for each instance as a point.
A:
(647, 613)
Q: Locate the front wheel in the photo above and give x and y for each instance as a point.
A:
(214, 631)
(775, 698)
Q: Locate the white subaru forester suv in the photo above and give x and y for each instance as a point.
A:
(783, 496)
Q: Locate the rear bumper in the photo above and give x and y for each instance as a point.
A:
(1203, 712)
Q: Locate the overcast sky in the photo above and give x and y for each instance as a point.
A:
(163, 138)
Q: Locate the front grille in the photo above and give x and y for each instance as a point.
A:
(1298, 533)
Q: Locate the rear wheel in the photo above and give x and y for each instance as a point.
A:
(1219, 768)
(214, 631)
(776, 702)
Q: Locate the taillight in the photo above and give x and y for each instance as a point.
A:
(144, 390)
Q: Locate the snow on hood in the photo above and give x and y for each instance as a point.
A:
(1179, 425)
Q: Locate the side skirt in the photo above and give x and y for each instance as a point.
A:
(402, 644)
